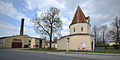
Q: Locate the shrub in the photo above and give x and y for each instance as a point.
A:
(116, 46)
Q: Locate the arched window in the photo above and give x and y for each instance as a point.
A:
(74, 30)
(81, 28)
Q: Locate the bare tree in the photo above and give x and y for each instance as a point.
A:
(48, 24)
(115, 32)
(95, 32)
(104, 35)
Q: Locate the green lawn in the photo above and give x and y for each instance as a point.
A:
(45, 49)
(108, 50)
(98, 50)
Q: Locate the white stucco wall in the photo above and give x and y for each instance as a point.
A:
(62, 44)
(77, 26)
(75, 42)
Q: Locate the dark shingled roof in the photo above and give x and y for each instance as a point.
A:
(74, 35)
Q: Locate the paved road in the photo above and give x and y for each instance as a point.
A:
(16, 54)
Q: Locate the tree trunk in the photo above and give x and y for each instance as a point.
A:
(50, 38)
(104, 41)
(50, 42)
(95, 41)
(117, 35)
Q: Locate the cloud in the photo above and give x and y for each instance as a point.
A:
(100, 11)
(33, 4)
(8, 29)
(100, 16)
(107, 23)
(7, 8)
(66, 23)
(87, 4)
(65, 33)
(31, 32)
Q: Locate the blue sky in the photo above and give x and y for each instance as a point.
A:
(11, 11)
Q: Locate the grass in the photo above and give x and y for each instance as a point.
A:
(98, 50)
(45, 49)
(108, 50)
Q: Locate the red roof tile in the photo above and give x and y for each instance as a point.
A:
(79, 17)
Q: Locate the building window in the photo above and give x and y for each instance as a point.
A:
(17, 40)
(81, 28)
(36, 45)
(1, 41)
(46, 44)
(33, 45)
(36, 42)
(40, 41)
(25, 41)
(74, 30)
(29, 40)
(29, 44)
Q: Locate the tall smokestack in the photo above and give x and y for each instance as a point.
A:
(22, 26)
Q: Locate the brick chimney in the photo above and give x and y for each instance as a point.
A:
(22, 26)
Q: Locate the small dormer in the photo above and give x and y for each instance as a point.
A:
(80, 23)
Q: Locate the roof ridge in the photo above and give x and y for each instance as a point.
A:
(79, 16)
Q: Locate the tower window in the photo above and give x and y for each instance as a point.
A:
(81, 28)
(74, 30)
(29, 40)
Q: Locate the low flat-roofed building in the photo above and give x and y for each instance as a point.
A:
(54, 44)
(21, 41)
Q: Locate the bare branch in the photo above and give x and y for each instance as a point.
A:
(43, 28)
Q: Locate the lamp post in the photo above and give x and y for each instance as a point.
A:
(68, 44)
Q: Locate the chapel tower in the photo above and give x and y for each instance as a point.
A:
(80, 24)
(79, 37)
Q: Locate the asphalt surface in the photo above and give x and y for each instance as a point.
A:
(17, 54)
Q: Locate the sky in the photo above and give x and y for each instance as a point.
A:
(11, 11)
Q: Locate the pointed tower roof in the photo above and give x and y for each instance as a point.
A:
(79, 17)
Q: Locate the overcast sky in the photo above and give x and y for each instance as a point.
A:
(11, 11)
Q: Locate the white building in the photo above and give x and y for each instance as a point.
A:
(79, 37)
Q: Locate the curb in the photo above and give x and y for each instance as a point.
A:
(85, 53)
